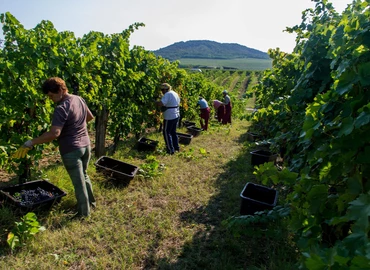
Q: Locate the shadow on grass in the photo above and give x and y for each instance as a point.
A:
(265, 247)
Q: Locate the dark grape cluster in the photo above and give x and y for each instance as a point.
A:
(29, 197)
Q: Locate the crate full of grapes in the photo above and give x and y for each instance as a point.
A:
(30, 196)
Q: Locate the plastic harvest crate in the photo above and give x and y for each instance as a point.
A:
(116, 169)
(252, 136)
(255, 198)
(188, 123)
(184, 138)
(262, 156)
(145, 144)
(195, 131)
(7, 193)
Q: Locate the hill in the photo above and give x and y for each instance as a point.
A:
(205, 49)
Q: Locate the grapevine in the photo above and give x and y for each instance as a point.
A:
(315, 104)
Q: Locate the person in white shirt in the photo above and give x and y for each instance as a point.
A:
(169, 103)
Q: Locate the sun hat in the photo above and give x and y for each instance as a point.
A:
(224, 92)
(165, 86)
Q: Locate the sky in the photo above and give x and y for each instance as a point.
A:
(257, 24)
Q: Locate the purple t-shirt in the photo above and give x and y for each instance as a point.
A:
(70, 114)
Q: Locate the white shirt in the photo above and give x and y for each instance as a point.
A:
(203, 103)
(171, 99)
(227, 99)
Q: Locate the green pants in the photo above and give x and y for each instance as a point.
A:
(76, 163)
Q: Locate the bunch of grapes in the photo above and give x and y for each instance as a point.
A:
(29, 197)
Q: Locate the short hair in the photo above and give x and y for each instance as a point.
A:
(53, 85)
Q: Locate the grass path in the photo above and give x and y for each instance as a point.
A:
(170, 219)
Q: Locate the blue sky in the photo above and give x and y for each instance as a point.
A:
(257, 24)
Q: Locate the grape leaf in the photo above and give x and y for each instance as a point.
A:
(360, 207)
(364, 72)
(347, 126)
(314, 262)
(364, 156)
(362, 119)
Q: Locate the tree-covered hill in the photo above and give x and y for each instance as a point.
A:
(209, 50)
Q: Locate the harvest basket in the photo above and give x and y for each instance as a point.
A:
(195, 131)
(33, 195)
(262, 156)
(184, 138)
(145, 144)
(251, 136)
(188, 123)
(255, 198)
(116, 169)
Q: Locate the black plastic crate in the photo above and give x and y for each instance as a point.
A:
(116, 169)
(145, 144)
(12, 195)
(251, 136)
(255, 198)
(262, 156)
(188, 123)
(184, 138)
(195, 131)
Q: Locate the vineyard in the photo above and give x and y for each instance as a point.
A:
(312, 108)
(119, 85)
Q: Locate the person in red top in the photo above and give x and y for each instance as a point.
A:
(69, 127)
(227, 103)
(220, 110)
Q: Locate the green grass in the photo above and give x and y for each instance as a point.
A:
(168, 217)
(251, 64)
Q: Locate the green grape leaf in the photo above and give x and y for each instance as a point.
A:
(317, 197)
(364, 156)
(362, 119)
(346, 127)
(354, 185)
(364, 72)
(341, 260)
(345, 82)
(315, 262)
(360, 263)
(360, 207)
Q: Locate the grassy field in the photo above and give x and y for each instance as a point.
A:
(240, 63)
(168, 217)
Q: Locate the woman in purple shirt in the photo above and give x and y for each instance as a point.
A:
(69, 128)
